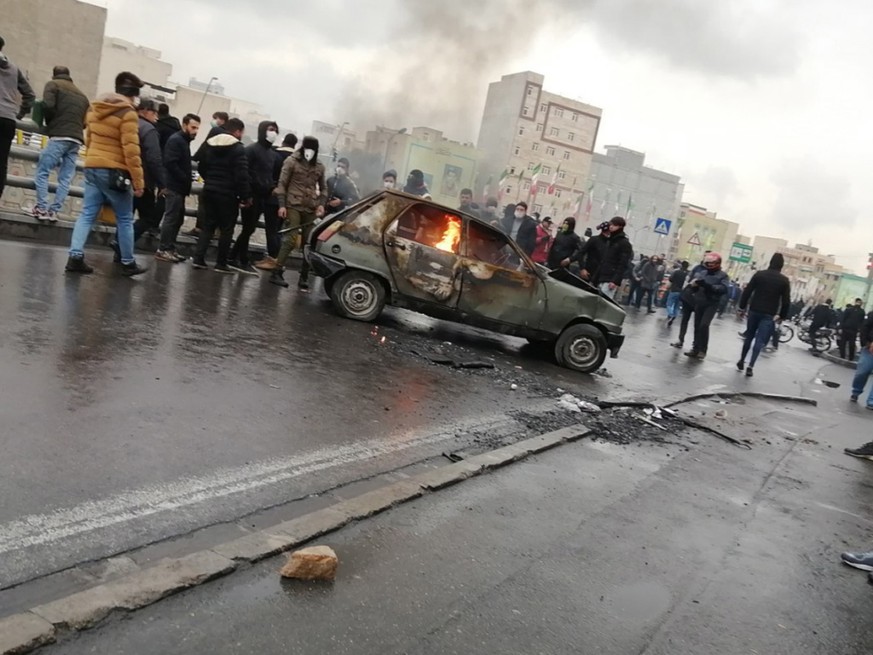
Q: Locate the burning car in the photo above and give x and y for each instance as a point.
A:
(397, 249)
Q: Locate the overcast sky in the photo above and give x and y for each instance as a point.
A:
(761, 106)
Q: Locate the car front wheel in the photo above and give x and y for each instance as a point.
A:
(582, 348)
(358, 295)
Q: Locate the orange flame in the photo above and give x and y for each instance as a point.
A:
(451, 236)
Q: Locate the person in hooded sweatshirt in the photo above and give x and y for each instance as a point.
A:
(166, 125)
(415, 184)
(113, 172)
(593, 251)
(709, 284)
(341, 189)
(768, 297)
(226, 188)
(302, 194)
(853, 319)
(16, 99)
(288, 147)
(566, 246)
(261, 159)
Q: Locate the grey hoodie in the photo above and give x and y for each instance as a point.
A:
(16, 96)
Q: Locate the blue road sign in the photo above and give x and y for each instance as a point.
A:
(662, 226)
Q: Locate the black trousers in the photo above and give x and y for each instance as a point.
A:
(219, 213)
(848, 344)
(7, 133)
(250, 215)
(687, 313)
(702, 318)
(813, 332)
(149, 209)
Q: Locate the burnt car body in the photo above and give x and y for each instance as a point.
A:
(402, 250)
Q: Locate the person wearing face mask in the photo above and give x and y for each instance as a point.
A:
(708, 285)
(341, 189)
(261, 159)
(389, 179)
(302, 193)
(592, 252)
(618, 254)
(566, 246)
(415, 184)
(521, 228)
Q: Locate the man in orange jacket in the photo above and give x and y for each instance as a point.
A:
(113, 171)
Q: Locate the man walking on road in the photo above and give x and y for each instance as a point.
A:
(865, 362)
(64, 108)
(16, 99)
(302, 193)
(650, 276)
(341, 189)
(708, 285)
(592, 253)
(226, 188)
(768, 297)
(147, 207)
(113, 172)
(178, 170)
(677, 282)
(618, 255)
(853, 319)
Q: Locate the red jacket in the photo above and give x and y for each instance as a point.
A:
(543, 243)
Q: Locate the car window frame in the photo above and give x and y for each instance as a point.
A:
(392, 232)
(465, 240)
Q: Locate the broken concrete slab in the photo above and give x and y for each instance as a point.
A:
(379, 500)
(255, 547)
(447, 475)
(313, 563)
(21, 633)
(312, 525)
(139, 589)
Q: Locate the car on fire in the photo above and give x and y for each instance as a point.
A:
(397, 249)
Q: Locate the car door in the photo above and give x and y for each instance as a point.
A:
(500, 286)
(422, 249)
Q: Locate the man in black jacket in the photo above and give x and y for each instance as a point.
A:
(619, 254)
(853, 319)
(864, 369)
(64, 107)
(216, 127)
(521, 228)
(179, 174)
(677, 282)
(166, 125)
(566, 246)
(708, 285)
(768, 297)
(822, 316)
(147, 207)
(592, 253)
(226, 188)
(341, 189)
(261, 159)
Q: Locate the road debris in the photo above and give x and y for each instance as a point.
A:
(313, 563)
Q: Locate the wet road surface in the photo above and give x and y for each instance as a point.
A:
(136, 410)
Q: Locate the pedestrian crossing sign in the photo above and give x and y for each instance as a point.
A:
(662, 226)
(695, 239)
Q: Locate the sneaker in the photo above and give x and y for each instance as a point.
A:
(277, 279)
(864, 452)
(692, 353)
(51, 217)
(677, 344)
(246, 269)
(166, 256)
(749, 372)
(863, 561)
(39, 213)
(670, 320)
(179, 258)
(116, 259)
(266, 264)
(854, 397)
(741, 365)
(131, 269)
(199, 264)
(223, 268)
(77, 265)
(193, 232)
(303, 285)
(651, 311)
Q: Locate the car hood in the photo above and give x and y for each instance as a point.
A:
(568, 290)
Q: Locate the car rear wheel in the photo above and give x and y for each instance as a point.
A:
(358, 295)
(582, 348)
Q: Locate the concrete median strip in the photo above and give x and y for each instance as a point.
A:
(24, 632)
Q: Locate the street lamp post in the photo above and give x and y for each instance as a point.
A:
(203, 97)
(402, 130)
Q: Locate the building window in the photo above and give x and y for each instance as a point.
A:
(543, 107)
(571, 136)
(538, 209)
(550, 151)
(574, 117)
(566, 154)
(557, 193)
(535, 146)
(561, 175)
(547, 170)
(512, 171)
(516, 150)
(554, 131)
(526, 186)
(530, 166)
(539, 127)
(530, 90)
(559, 113)
(521, 130)
(524, 111)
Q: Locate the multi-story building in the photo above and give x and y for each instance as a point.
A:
(448, 166)
(119, 55)
(528, 131)
(42, 35)
(813, 276)
(700, 230)
(620, 184)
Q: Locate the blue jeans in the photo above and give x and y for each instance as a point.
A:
(759, 328)
(673, 304)
(862, 372)
(61, 155)
(97, 194)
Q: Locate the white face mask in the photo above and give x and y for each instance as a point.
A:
(272, 136)
(340, 171)
(308, 154)
(519, 213)
(388, 184)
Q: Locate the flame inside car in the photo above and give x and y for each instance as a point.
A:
(451, 236)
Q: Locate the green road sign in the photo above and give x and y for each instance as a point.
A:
(742, 253)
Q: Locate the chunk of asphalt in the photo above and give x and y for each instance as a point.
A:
(89, 607)
(21, 633)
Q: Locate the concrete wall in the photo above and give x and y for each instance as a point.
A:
(43, 34)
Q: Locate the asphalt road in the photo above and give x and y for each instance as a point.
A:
(139, 410)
